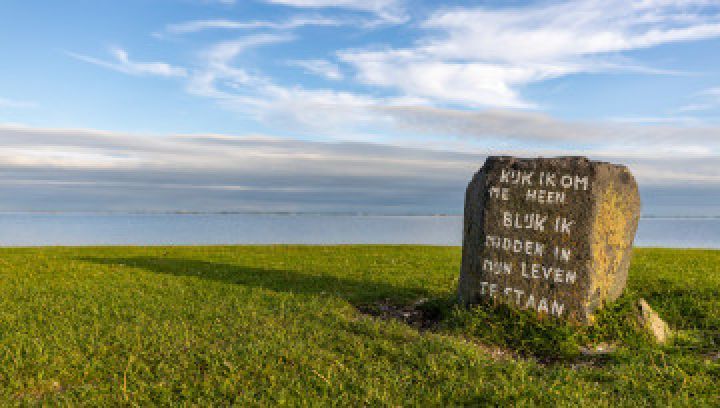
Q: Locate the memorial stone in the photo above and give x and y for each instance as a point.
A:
(552, 235)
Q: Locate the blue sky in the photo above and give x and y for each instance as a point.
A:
(104, 103)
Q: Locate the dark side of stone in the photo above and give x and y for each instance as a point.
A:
(553, 235)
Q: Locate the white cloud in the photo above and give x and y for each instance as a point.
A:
(93, 170)
(90, 170)
(15, 104)
(463, 83)
(220, 79)
(696, 107)
(343, 114)
(238, 89)
(320, 67)
(389, 11)
(483, 57)
(670, 119)
(471, 61)
(468, 58)
(712, 92)
(122, 63)
(704, 100)
(555, 31)
(224, 2)
(536, 130)
(295, 22)
(222, 53)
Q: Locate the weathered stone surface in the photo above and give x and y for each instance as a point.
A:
(653, 323)
(553, 235)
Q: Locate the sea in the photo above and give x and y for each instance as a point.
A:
(90, 229)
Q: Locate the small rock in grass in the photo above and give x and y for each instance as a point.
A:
(420, 302)
(598, 349)
(652, 322)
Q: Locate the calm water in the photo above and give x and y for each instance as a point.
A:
(174, 229)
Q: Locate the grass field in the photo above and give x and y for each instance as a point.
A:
(299, 326)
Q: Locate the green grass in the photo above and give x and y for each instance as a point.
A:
(281, 325)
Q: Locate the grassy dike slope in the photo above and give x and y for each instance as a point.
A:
(281, 325)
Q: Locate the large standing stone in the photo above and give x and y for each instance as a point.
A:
(552, 235)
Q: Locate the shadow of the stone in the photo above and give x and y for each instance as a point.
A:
(412, 305)
(358, 292)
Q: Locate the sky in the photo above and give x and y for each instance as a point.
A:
(377, 106)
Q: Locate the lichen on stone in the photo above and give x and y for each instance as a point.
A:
(609, 242)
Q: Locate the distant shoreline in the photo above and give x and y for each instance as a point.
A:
(206, 228)
(299, 213)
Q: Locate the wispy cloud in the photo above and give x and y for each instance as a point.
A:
(16, 104)
(668, 119)
(89, 170)
(465, 58)
(225, 2)
(292, 23)
(121, 62)
(220, 79)
(235, 87)
(705, 100)
(323, 68)
(484, 56)
(696, 107)
(389, 11)
(535, 130)
(344, 114)
(712, 92)
(92, 170)
(555, 31)
(341, 114)
(221, 54)
(456, 79)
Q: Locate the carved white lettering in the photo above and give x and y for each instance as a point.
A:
(501, 193)
(534, 222)
(540, 271)
(562, 253)
(516, 177)
(563, 225)
(530, 302)
(543, 305)
(497, 267)
(519, 246)
(518, 294)
(545, 196)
